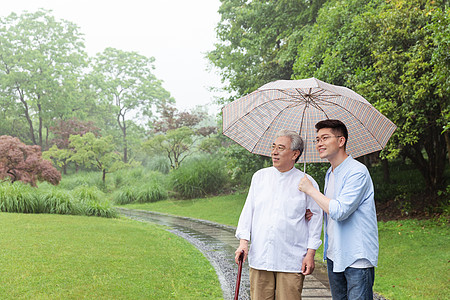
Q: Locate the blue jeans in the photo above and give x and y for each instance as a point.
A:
(351, 284)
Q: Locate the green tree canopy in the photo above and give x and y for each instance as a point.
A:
(258, 40)
(88, 150)
(41, 61)
(176, 144)
(125, 81)
(389, 52)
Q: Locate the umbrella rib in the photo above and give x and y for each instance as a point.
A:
(361, 123)
(310, 100)
(267, 128)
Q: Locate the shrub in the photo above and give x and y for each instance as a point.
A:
(18, 197)
(20, 162)
(199, 177)
(150, 187)
(56, 201)
(160, 164)
(88, 193)
(98, 209)
(82, 178)
(151, 192)
(93, 202)
(124, 196)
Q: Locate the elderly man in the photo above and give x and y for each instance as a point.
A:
(283, 243)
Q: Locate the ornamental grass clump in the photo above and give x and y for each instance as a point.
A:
(151, 192)
(199, 177)
(93, 202)
(142, 187)
(18, 197)
(125, 195)
(56, 201)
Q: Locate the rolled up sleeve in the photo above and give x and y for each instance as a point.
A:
(350, 197)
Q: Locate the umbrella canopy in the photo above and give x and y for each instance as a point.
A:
(253, 120)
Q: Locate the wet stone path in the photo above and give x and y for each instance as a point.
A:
(217, 243)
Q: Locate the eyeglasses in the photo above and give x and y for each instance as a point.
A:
(324, 138)
(279, 148)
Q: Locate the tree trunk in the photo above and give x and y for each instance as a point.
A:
(123, 127)
(40, 123)
(104, 176)
(432, 168)
(386, 173)
(447, 141)
(27, 116)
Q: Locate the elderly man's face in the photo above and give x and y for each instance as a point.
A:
(283, 158)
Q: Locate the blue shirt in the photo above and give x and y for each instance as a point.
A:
(353, 208)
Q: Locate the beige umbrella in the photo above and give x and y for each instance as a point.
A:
(253, 120)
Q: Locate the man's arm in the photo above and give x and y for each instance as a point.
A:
(308, 263)
(243, 245)
(307, 187)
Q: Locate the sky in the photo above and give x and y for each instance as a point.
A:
(177, 33)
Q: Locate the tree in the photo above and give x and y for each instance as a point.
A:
(125, 81)
(388, 52)
(24, 163)
(440, 27)
(60, 157)
(176, 134)
(89, 150)
(402, 84)
(63, 129)
(258, 40)
(170, 119)
(41, 62)
(176, 144)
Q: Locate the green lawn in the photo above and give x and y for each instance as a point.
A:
(414, 255)
(73, 257)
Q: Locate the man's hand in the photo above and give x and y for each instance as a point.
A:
(308, 214)
(305, 185)
(243, 245)
(308, 263)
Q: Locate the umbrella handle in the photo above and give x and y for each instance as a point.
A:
(238, 280)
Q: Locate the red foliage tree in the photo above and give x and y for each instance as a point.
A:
(171, 119)
(24, 163)
(65, 128)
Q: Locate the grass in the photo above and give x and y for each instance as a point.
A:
(414, 260)
(74, 257)
(222, 209)
(414, 255)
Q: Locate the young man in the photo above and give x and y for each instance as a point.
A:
(351, 232)
(283, 243)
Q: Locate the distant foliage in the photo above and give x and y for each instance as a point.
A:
(21, 198)
(57, 201)
(65, 128)
(140, 186)
(199, 177)
(24, 163)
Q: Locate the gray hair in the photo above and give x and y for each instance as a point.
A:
(296, 140)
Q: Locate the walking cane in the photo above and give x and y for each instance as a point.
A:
(238, 281)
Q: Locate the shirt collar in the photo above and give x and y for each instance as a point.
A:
(284, 173)
(341, 165)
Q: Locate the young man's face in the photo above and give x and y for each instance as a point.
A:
(283, 158)
(328, 143)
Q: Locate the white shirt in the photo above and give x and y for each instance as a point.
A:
(273, 219)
